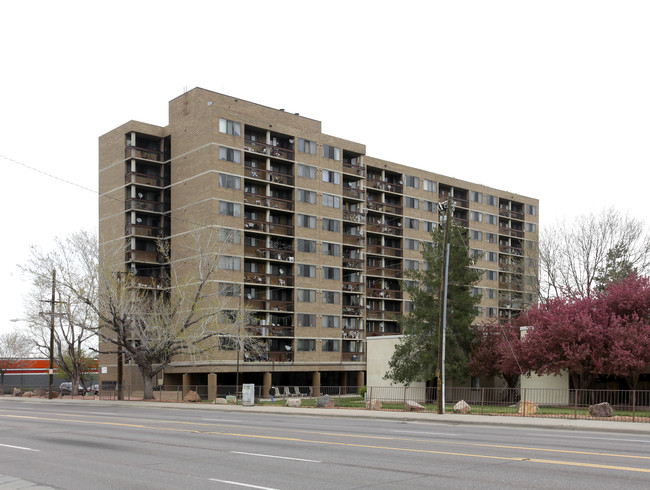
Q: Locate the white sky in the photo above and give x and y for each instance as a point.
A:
(547, 99)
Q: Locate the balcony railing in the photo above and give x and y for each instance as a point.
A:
(352, 216)
(269, 202)
(143, 153)
(353, 193)
(386, 229)
(353, 263)
(144, 231)
(143, 179)
(269, 331)
(143, 205)
(351, 310)
(264, 226)
(352, 357)
(350, 168)
(270, 150)
(504, 230)
(354, 287)
(143, 256)
(385, 293)
(384, 186)
(356, 240)
(511, 214)
(511, 250)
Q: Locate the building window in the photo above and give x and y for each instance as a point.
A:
(476, 235)
(476, 216)
(412, 181)
(491, 237)
(306, 320)
(226, 235)
(408, 306)
(306, 295)
(531, 227)
(411, 202)
(229, 263)
(491, 219)
(491, 275)
(331, 297)
(478, 311)
(229, 289)
(331, 176)
(333, 273)
(428, 226)
(331, 345)
(476, 196)
(475, 254)
(308, 246)
(530, 209)
(305, 270)
(430, 206)
(490, 311)
(428, 185)
(331, 201)
(411, 265)
(306, 171)
(411, 244)
(491, 256)
(476, 291)
(331, 225)
(331, 321)
(491, 200)
(307, 146)
(412, 223)
(306, 221)
(229, 154)
(331, 152)
(307, 345)
(230, 208)
(308, 197)
(333, 249)
(490, 293)
(229, 127)
(229, 181)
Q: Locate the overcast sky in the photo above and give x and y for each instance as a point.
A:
(547, 99)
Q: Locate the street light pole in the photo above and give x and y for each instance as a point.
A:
(443, 303)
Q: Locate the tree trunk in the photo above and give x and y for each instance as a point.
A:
(148, 380)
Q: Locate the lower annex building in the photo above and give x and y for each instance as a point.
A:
(319, 234)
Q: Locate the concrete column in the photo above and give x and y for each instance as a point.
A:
(212, 386)
(186, 383)
(315, 381)
(343, 381)
(266, 385)
(361, 379)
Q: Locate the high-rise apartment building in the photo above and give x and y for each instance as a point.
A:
(319, 235)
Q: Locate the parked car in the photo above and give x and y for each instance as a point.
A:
(65, 388)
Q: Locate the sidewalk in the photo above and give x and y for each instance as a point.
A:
(446, 419)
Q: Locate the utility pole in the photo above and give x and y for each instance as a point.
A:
(448, 216)
(51, 394)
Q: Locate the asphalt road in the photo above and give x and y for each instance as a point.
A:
(111, 446)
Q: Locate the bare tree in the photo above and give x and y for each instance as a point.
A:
(157, 324)
(580, 256)
(13, 346)
(75, 322)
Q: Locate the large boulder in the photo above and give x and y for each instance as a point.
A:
(16, 392)
(294, 402)
(462, 407)
(601, 410)
(526, 407)
(373, 404)
(28, 394)
(325, 401)
(220, 401)
(411, 406)
(192, 397)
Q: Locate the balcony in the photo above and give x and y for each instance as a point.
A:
(353, 193)
(352, 357)
(352, 263)
(356, 240)
(384, 293)
(143, 231)
(269, 202)
(266, 227)
(511, 250)
(262, 279)
(352, 310)
(384, 186)
(143, 153)
(352, 216)
(269, 331)
(143, 256)
(269, 150)
(143, 179)
(352, 287)
(505, 230)
(133, 204)
(385, 229)
(511, 214)
(384, 271)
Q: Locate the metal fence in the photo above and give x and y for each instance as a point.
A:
(630, 405)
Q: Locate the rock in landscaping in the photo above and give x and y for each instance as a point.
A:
(28, 394)
(411, 406)
(373, 405)
(527, 408)
(16, 392)
(601, 410)
(294, 402)
(192, 396)
(220, 401)
(462, 407)
(325, 401)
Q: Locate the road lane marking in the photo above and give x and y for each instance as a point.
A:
(388, 448)
(276, 457)
(20, 447)
(424, 433)
(239, 484)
